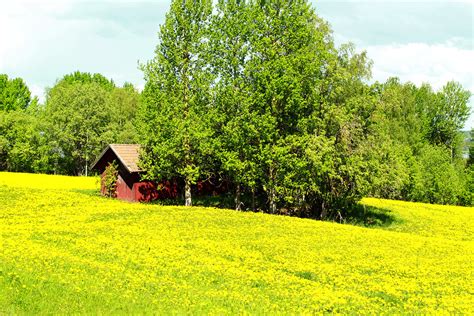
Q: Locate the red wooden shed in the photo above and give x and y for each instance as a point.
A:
(129, 185)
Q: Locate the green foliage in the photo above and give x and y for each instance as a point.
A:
(77, 121)
(417, 149)
(448, 115)
(401, 114)
(85, 77)
(236, 126)
(469, 192)
(470, 158)
(83, 114)
(20, 141)
(122, 105)
(434, 179)
(176, 125)
(257, 94)
(14, 94)
(281, 95)
(110, 178)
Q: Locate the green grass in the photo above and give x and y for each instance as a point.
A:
(64, 249)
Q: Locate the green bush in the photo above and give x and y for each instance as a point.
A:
(110, 179)
(435, 178)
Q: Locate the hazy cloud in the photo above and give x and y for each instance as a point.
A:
(420, 62)
(43, 41)
(417, 41)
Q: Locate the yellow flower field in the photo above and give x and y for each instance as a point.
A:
(65, 249)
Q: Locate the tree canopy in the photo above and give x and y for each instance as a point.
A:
(82, 114)
(14, 94)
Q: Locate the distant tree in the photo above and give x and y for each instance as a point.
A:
(129, 86)
(78, 117)
(20, 137)
(415, 129)
(176, 132)
(14, 94)
(122, 105)
(435, 179)
(400, 130)
(84, 113)
(85, 77)
(20, 141)
(448, 114)
(470, 159)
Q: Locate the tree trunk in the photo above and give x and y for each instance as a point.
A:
(324, 212)
(253, 200)
(237, 198)
(87, 160)
(272, 196)
(187, 194)
(272, 193)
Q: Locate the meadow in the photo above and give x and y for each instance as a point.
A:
(65, 249)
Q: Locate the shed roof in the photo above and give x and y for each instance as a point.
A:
(128, 154)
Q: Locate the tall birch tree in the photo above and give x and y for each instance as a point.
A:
(175, 98)
(235, 121)
(288, 53)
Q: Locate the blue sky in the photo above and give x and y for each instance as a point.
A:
(419, 41)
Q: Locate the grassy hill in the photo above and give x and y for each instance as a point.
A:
(64, 249)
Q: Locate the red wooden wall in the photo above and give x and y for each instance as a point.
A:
(143, 191)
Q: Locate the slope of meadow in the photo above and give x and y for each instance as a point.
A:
(64, 249)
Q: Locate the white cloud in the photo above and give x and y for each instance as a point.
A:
(17, 7)
(42, 41)
(37, 91)
(23, 25)
(419, 62)
(140, 86)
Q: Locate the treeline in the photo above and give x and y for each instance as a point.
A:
(255, 95)
(82, 114)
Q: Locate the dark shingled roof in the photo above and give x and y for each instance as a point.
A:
(128, 154)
